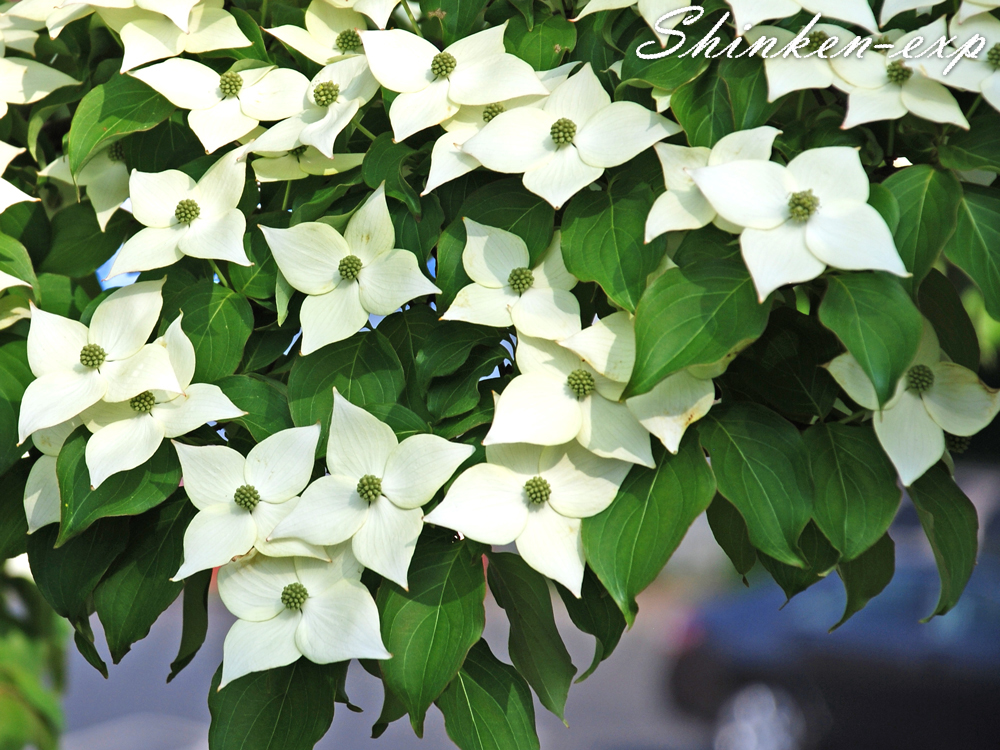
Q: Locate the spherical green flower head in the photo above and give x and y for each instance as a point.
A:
(348, 40)
(92, 355)
(538, 490)
(326, 93)
(898, 73)
(920, 378)
(443, 64)
(816, 40)
(143, 403)
(879, 41)
(581, 383)
(957, 443)
(802, 205)
(563, 131)
(521, 279)
(187, 211)
(349, 267)
(370, 488)
(230, 84)
(294, 595)
(993, 56)
(246, 497)
(298, 151)
(116, 152)
(492, 110)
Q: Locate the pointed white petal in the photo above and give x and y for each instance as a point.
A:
(213, 28)
(25, 81)
(251, 587)
(779, 256)
(307, 255)
(220, 238)
(108, 191)
(853, 11)
(610, 430)
(912, 440)
(330, 511)
(221, 124)
(331, 317)
(494, 79)
(553, 545)
(932, 101)
(487, 307)
(480, 46)
(377, 10)
(199, 404)
(177, 11)
(148, 39)
(401, 61)
(672, 406)
(752, 12)
(57, 397)
(412, 112)
(608, 346)
(418, 468)
(180, 350)
(448, 161)
(536, 409)
(54, 342)
(579, 98)
(155, 195)
(491, 254)
(303, 41)
(386, 541)
(122, 446)
(514, 141)
(323, 133)
(959, 401)
(359, 443)
(147, 370)
(593, 6)
(620, 132)
(267, 516)
(256, 646)
(221, 187)
(521, 458)
(677, 211)
(212, 473)
(874, 105)
(853, 236)
(833, 174)
(582, 483)
(148, 249)
(50, 440)
(215, 536)
(370, 231)
(186, 83)
(546, 313)
(764, 207)
(486, 503)
(339, 625)
(541, 356)
(280, 466)
(552, 272)
(562, 177)
(123, 322)
(279, 94)
(785, 75)
(41, 494)
(849, 375)
(390, 281)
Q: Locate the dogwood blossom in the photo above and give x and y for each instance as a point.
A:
(683, 206)
(377, 10)
(807, 71)
(892, 8)
(178, 11)
(650, 10)
(300, 162)
(18, 33)
(330, 33)
(507, 292)
(9, 195)
(752, 12)
(801, 218)
(240, 500)
(105, 176)
(970, 8)
(184, 217)
(292, 607)
(347, 277)
(567, 143)
(13, 307)
(535, 497)
(24, 81)
(433, 84)
(979, 75)
(374, 491)
(77, 366)
(127, 433)
(934, 397)
(41, 490)
(53, 14)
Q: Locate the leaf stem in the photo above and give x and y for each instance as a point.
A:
(288, 192)
(362, 128)
(801, 105)
(974, 107)
(413, 21)
(218, 272)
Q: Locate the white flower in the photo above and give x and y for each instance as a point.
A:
(330, 33)
(970, 74)
(127, 433)
(105, 176)
(9, 195)
(432, 84)
(935, 396)
(24, 81)
(301, 162)
(809, 70)
(374, 491)
(448, 160)
(650, 10)
(49, 13)
(567, 143)
(292, 607)
(347, 277)
(183, 217)
(18, 33)
(535, 497)
(377, 10)
(506, 292)
(240, 500)
(177, 11)
(41, 491)
(684, 206)
(77, 366)
(324, 108)
(752, 12)
(970, 8)
(559, 397)
(227, 107)
(801, 218)
(892, 8)
(880, 88)
(13, 307)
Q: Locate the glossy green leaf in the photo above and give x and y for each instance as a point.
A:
(13, 524)
(975, 148)
(596, 613)
(544, 45)
(975, 246)
(256, 281)
(457, 17)
(14, 378)
(730, 531)
(458, 394)
(264, 400)
(941, 304)
(820, 559)
(671, 71)
(407, 331)
(78, 244)
(866, 576)
(386, 161)
(14, 260)
(218, 321)
(194, 623)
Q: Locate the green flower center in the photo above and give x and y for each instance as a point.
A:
(920, 378)
(993, 56)
(898, 73)
(92, 355)
(294, 595)
(521, 279)
(246, 497)
(538, 490)
(563, 131)
(369, 487)
(492, 110)
(144, 402)
(581, 383)
(298, 151)
(187, 211)
(350, 267)
(816, 40)
(326, 93)
(956, 443)
(348, 40)
(443, 64)
(116, 152)
(879, 41)
(802, 205)
(230, 84)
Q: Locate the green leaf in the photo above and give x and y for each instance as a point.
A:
(629, 542)
(878, 323)
(457, 17)
(194, 624)
(418, 235)
(169, 144)
(110, 111)
(596, 613)
(856, 492)
(488, 705)
(83, 637)
(866, 576)
(730, 531)
(126, 493)
(951, 524)
(669, 72)
(886, 204)
(820, 558)
(544, 45)
(928, 202)
(602, 241)
(447, 347)
(218, 321)
(14, 259)
(14, 378)
(403, 421)
(459, 393)
(264, 400)
(13, 524)
(137, 587)
(941, 305)
(431, 627)
(527, 10)
(762, 467)
(288, 708)
(696, 315)
(79, 246)
(385, 161)
(407, 331)
(975, 148)
(256, 281)
(535, 646)
(975, 246)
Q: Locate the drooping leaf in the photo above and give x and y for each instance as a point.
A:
(457, 17)
(78, 244)
(730, 531)
(544, 45)
(866, 576)
(975, 148)
(941, 305)
(14, 378)
(596, 613)
(264, 400)
(820, 559)
(195, 620)
(385, 161)
(13, 524)
(218, 321)
(975, 245)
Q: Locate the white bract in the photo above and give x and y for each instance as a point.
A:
(892, 8)
(377, 10)
(808, 70)
(559, 397)
(934, 397)
(433, 85)
(13, 307)
(105, 176)
(41, 490)
(506, 291)
(330, 33)
(981, 74)
(535, 497)
(17, 32)
(683, 206)
(184, 217)
(127, 433)
(801, 218)
(970, 8)
(374, 491)
(347, 277)
(178, 11)
(301, 162)
(77, 366)
(240, 500)
(292, 607)
(752, 12)
(24, 81)
(324, 108)
(567, 143)
(227, 107)
(650, 10)
(49, 13)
